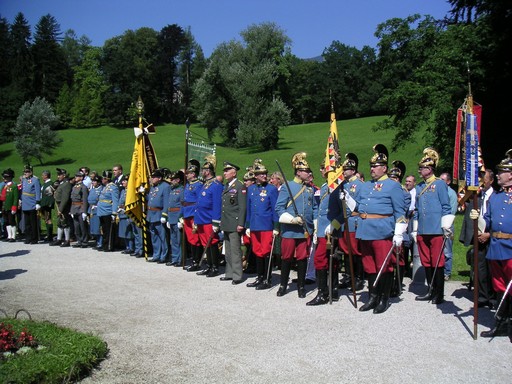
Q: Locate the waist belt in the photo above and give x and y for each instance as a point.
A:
(28, 194)
(372, 216)
(121, 206)
(188, 204)
(76, 203)
(502, 235)
(106, 201)
(354, 214)
(174, 209)
(155, 208)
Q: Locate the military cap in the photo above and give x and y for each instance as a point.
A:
(28, 168)
(397, 170)
(157, 173)
(178, 175)
(8, 173)
(79, 174)
(351, 161)
(107, 174)
(299, 162)
(62, 171)
(210, 162)
(381, 155)
(258, 167)
(228, 165)
(430, 158)
(166, 172)
(505, 165)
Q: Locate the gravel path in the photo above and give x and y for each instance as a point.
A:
(165, 325)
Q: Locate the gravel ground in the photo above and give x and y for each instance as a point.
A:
(165, 325)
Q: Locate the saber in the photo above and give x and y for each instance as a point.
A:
(500, 320)
(346, 233)
(270, 259)
(386, 260)
(430, 287)
(397, 251)
(203, 257)
(331, 255)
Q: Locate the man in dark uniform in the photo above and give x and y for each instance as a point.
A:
(79, 205)
(62, 198)
(30, 204)
(297, 227)
(191, 194)
(9, 204)
(47, 204)
(232, 222)
(208, 215)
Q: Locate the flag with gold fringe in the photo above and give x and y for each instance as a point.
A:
(333, 161)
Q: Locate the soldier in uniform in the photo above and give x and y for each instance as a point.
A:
(498, 222)
(30, 204)
(94, 221)
(157, 198)
(62, 196)
(174, 214)
(126, 227)
(248, 258)
(47, 204)
(191, 194)
(262, 223)
(79, 206)
(432, 222)
(107, 210)
(380, 227)
(232, 222)
(207, 216)
(296, 208)
(9, 203)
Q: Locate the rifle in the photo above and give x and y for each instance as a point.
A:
(349, 246)
(295, 209)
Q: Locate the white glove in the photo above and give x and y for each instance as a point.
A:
(180, 223)
(328, 230)
(13, 212)
(275, 232)
(38, 207)
(113, 217)
(168, 225)
(163, 220)
(414, 236)
(215, 228)
(315, 238)
(287, 218)
(474, 214)
(248, 232)
(297, 220)
(398, 237)
(446, 223)
(71, 215)
(84, 216)
(414, 232)
(121, 211)
(142, 189)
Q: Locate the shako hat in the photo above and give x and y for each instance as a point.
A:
(351, 161)
(299, 162)
(430, 158)
(505, 165)
(107, 174)
(397, 170)
(381, 155)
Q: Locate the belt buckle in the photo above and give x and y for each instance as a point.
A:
(364, 215)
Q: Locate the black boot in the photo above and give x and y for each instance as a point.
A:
(322, 296)
(266, 283)
(428, 295)
(502, 320)
(374, 298)
(438, 289)
(260, 266)
(285, 275)
(334, 282)
(302, 265)
(385, 289)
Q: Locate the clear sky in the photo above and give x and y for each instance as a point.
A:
(312, 25)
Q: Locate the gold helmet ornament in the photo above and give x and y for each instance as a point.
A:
(351, 161)
(193, 166)
(381, 155)
(299, 162)
(430, 158)
(505, 165)
(258, 167)
(210, 162)
(397, 170)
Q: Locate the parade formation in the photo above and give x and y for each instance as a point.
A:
(223, 226)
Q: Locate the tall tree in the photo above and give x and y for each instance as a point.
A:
(34, 134)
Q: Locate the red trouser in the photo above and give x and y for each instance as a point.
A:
(294, 247)
(353, 242)
(321, 255)
(374, 253)
(261, 242)
(192, 237)
(501, 273)
(204, 231)
(430, 248)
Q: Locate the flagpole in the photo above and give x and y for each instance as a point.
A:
(142, 196)
(183, 234)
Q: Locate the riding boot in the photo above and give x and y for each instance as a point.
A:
(301, 277)
(502, 319)
(373, 300)
(267, 281)
(214, 259)
(285, 275)
(385, 288)
(438, 289)
(428, 295)
(334, 282)
(260, 266)
(322, 296)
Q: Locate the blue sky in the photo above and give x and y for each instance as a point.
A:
(312, 25)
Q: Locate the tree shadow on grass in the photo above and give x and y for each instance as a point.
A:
(61, 161)
(4, 154)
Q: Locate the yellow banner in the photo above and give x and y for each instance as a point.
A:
(138, 178)
(332, 156)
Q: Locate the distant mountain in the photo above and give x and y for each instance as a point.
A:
(318, 59)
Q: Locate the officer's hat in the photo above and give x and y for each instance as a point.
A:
(96, 178)
(228, 165)
(249, 175)
(210, 162)
(430, 158)
(124, 178)
(381, 155)
(258, 167)
(505, 165)
(351, 161)
(397, 170)
(299, 162)
(8, 173)
(107, 174)
(166, 172)
(157, 173)
(79, 174)
(28, 168)
(62, 171)
(193, 166)
(178, 175)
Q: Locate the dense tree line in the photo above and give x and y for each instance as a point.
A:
(249, 88)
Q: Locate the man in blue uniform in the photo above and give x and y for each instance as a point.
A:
(262, 223)
(157, 199)
(380, 228)
(30, 204)
(433, 219)
(174, 214)
(207, 216)
(498, 222)
(190, 196)
(296, 208)
(108, 205)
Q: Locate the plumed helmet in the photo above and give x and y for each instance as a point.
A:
(299, 162)
(178, 175)
(397, 170)
(430, 158)
(249, 175)
(28, 168)
(381, 155)
(351, 161)
(8, 173)
(210, 162)
(258, 167)
(505, 165)
(107, 174)
(193, 166)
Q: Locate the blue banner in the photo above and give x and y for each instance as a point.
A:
(471, 152)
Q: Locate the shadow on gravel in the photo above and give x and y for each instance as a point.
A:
(21, 252)
(11, 273)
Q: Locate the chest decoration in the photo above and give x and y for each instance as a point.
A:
(353, 188)
(432, 188)
(378, 187)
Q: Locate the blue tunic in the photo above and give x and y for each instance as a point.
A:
(174, 206)
(92, 199)
(209, 203)
(30, 193)
(157, 198)
(190, 196)
(380, 197)
(498, 218)
(261, 203)
(108, 201)
(323, 210)
(432, 203)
